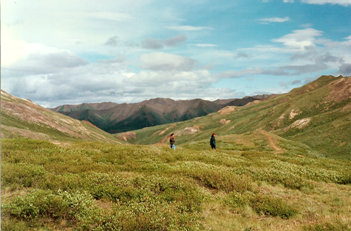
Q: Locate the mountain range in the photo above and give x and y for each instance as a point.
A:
(113, 117)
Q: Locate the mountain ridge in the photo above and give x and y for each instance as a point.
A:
(113, 117)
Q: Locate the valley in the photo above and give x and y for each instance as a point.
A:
(283, 163)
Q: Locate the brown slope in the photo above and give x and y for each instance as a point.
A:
(23, 118)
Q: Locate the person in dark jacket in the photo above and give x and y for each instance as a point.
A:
(213, 141)
(172, 141)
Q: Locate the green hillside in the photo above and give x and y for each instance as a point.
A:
(317, 114)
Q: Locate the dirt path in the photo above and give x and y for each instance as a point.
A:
(270, 140)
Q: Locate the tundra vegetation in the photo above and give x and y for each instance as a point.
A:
(263, 175)
(100, 186)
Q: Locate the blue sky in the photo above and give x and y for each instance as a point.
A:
(68, 52)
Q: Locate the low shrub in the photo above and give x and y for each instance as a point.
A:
(272, 206)
(123, 189)
(220, 179)
(345, 179)
(284, 177)
(261, 204)
(147, 214)
(115, 193)
(177, 190)
(20, 174)
(237, 200)
(75, 206)
(328, 227)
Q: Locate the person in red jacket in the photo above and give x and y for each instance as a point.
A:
(172, 141)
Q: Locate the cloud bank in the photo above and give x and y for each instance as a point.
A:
(125, 51)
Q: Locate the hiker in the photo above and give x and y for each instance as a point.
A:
(213, 141)
(172, 141)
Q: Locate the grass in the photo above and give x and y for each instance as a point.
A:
(99, 186)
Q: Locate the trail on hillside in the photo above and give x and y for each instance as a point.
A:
(270, 141)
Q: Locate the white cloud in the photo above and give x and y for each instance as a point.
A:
(189, 28)
(25, 57)
(108, 81)
(105, 15)
(151, 43)
(300, 52)
(164, 61)
(12, 49)
(334, 2)
(205, 45)
(239, 73)
(88, 24)
(300, 39)
(274, 20)
(321, 2)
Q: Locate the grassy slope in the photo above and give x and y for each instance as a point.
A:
(22, 118)
(327, 132)
(99, 186)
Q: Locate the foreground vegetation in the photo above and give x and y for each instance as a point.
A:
(241, 186)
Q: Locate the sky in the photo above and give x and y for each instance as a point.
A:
(57, 52)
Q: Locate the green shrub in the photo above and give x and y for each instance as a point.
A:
(221, 179)
(77, 206)
(237, 200)
(261, 204)
(177, 190)
(345, 179)
(66, 181)
(147, 214)
(328, 227)
(284, 176)
(272, 206)
(115, 192)
(20, 174)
